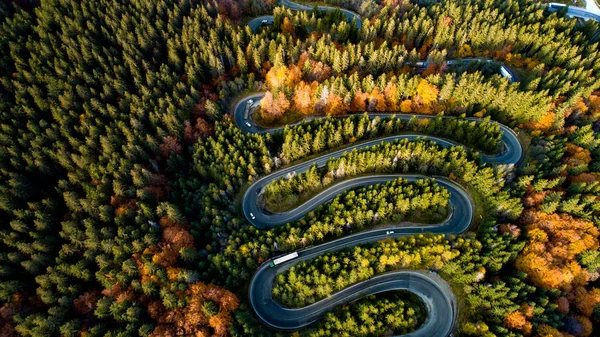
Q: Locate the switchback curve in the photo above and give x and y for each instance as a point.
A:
(431, 289)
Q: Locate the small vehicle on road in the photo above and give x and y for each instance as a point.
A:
(252, 216)
(264, 22)
(389, 232)
(248, 124)
(249, 102)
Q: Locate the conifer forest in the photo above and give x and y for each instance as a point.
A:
(254, 168)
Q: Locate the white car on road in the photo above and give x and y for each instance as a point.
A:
(248, 124)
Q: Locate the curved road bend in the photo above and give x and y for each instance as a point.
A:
(256, 23)
(576, 12)
(435, 294)
(510, 156)
(431, 289)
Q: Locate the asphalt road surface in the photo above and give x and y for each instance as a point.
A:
(576, 12)
(434, 292)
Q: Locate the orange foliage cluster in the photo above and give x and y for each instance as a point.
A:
(516, 320)
(594, 106)
(278, 77)
(543, 124)
(585, 300)
(533, 199)
(281, 78)
(7, 311)
(579, 109)
(359, 101)
(288, 27)
(230, 8)
(517, 61)
(122, 205)
(86, 302)
(388, 101)
(423, 51)
(519, 319)
(170, 144)
(391, 97)
(193, 320)
(585, 177)
(335, 106)
(318, 70)
(509, 229)
(174, 237)
(576, 155)
(427, 93)
(587, 326)
(304, 99)
(118, 293)
(272, 107)
(431, 69)
(193, 132)
(555, 240)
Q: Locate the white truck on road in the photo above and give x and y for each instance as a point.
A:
(248, 106)
(504, 72)
(283, 259)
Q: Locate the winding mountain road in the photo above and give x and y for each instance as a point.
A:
(431, 289)
(591, 12)
(434, 292)
(267, 20)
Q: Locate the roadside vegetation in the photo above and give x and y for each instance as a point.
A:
(331, 133)
(383, 314)
(423, 202)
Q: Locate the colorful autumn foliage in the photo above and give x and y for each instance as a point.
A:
(193, 319)
(555, 240)
(517, 320)
(273, 106)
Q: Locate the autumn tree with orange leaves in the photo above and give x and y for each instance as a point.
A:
(516, 320)
(427, 94)
(196, 318)
(359, 101)
(273, 107)
(549, 259)
(335, 106)
(304, 100)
